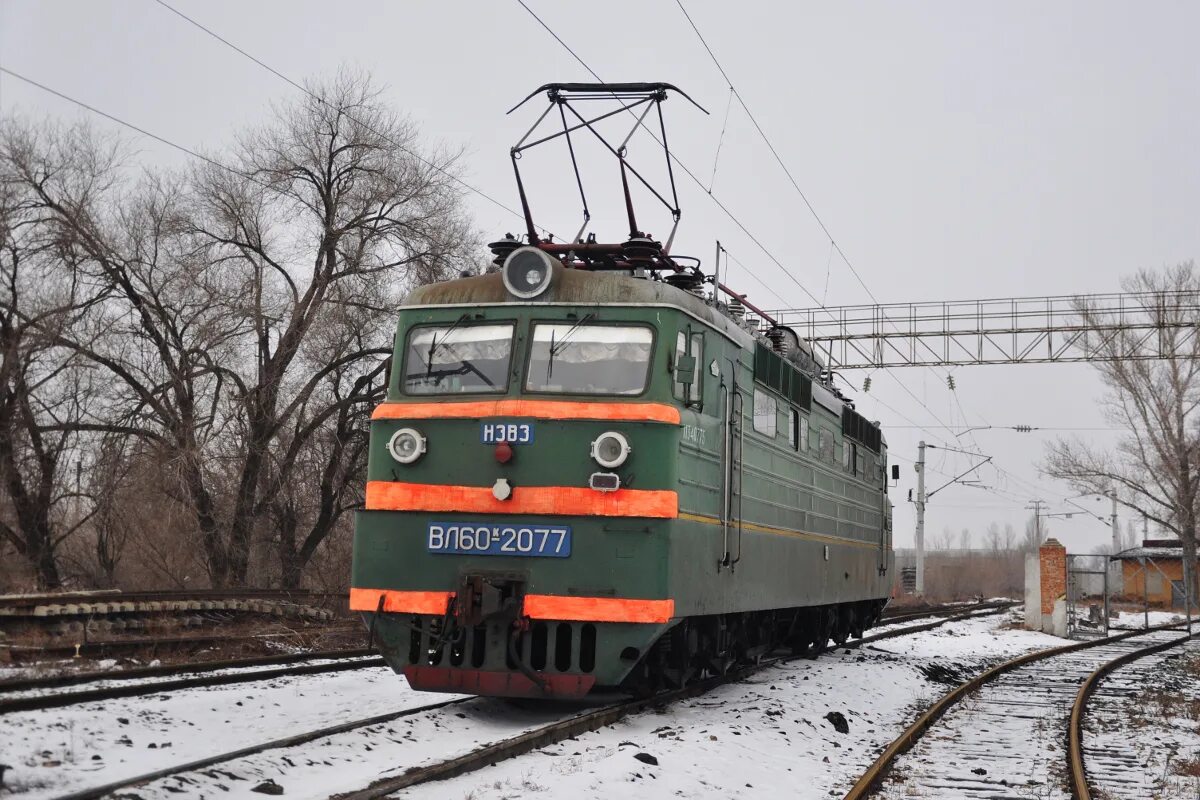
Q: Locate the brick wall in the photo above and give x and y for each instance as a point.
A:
(1053, 562)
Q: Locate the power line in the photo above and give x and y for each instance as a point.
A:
(130, 125)
(750, 273)
(774, 152)
(714, 198)
(675, 159)
(323, 101)
(717, 201)
(791, 178)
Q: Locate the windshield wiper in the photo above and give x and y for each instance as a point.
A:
(556, 348)
(433, 344)
(463, 368)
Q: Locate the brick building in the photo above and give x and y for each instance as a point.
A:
(1153, 571)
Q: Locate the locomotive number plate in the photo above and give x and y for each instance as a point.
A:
(471, 538)
(510, 432)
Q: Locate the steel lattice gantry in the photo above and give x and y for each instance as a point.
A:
(1021, 330)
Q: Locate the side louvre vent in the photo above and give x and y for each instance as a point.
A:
(857, 427)
(772, 370)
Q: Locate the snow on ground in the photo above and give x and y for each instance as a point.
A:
(118, 679)
(62, 666)
(1137, 619)
(1142, 729)
(65, 749)
(775, 730)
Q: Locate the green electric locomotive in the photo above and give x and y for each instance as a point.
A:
(590, 472)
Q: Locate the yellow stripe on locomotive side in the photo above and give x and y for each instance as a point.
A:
(754, 526)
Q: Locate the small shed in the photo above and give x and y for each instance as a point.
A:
(1154, 571)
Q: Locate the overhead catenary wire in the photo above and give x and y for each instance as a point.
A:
(684, 167)
(720, 141)
(733, 218)
(834, 246)
(302, 88)
(733, 94)
(136, 128)
(775, 153)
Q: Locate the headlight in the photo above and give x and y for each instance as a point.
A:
(406, 445)
(527, 272)
(610, 449)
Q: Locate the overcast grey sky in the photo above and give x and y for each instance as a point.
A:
(955, 150)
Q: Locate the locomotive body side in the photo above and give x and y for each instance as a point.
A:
(504, 559)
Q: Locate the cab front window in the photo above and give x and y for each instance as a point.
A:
(589, 359)
(454, 359)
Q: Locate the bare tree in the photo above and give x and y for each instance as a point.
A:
(1155, 468)
(239, 317)
(1010, 537)
(1036, 532)
(993, 538)
(44, 389)
(329, 217)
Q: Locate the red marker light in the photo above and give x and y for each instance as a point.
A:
(504, 452)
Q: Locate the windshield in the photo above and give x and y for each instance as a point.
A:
(450, 359)
(589, 359)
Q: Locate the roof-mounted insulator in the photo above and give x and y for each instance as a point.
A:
(687, 281)
(735, 308)
(502, 248)
(779, 341)
(641, 251)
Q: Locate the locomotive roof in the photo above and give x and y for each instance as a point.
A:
(579, 287)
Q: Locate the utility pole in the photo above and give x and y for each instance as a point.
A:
(1116, 534)
(920, 467)
(1036, 507)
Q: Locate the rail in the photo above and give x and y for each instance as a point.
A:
(511, 747)
(871, 778)
(1075, 764)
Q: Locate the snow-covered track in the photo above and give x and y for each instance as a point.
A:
(1075, 747)
(561, 730)
(995, 746)
(36, 693)
(290, 741)
(495, 733)
(893, 617)
(31, 694)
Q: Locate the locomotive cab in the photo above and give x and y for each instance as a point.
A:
(555, 482)
(591, 471)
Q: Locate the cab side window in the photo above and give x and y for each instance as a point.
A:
(765, 413)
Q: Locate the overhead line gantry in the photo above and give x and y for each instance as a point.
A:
(1018, 330)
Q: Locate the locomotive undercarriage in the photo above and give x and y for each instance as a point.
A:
(699, 647)
(504, 654)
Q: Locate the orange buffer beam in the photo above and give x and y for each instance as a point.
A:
(559, 500)
(597, 609)
(537, 409)
(399, 602)
(537, 606)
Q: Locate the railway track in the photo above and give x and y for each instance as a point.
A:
(37, 693)
(30, 695)
(444, 716)
(1014, 731)
(1111, 768)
